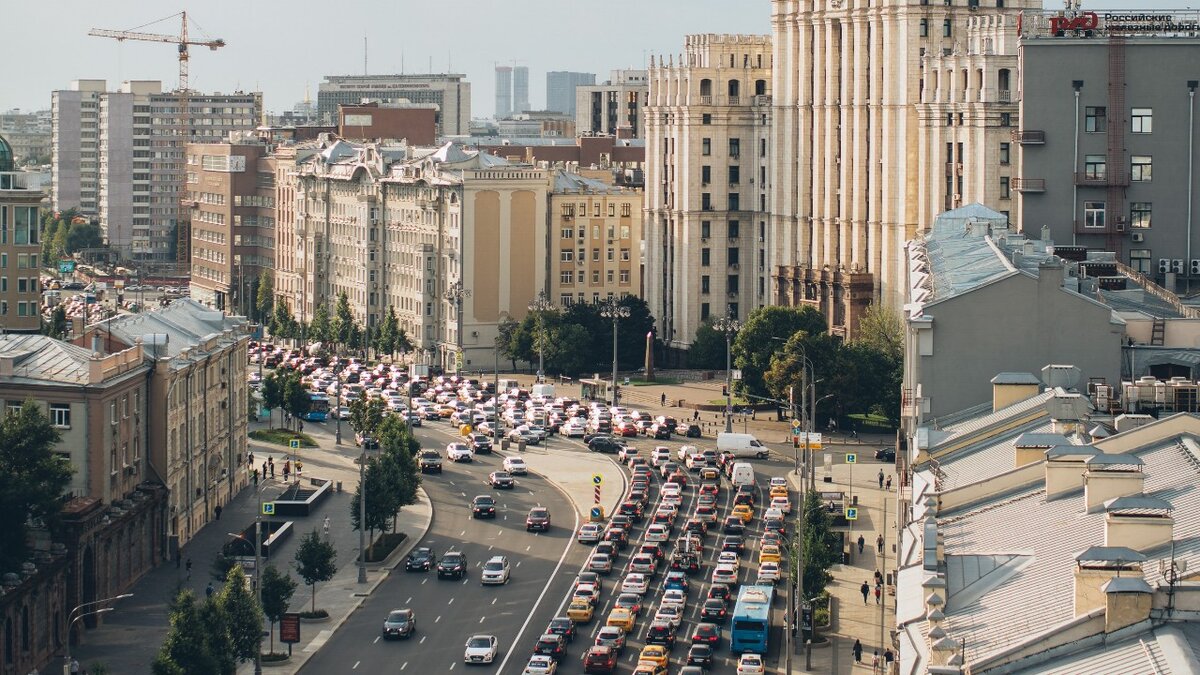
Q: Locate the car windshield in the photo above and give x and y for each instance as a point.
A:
(501, 474)
(452, 558)
(478, 642)
(493, 565)
(538, 513)
(399, 616)
(484, 501)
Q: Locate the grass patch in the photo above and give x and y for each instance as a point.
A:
(737, 402)
(868, 421)
(319, 614)
(282, 437)
(660, 380)
(383, 546)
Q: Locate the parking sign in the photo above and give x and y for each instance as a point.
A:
(851, 458)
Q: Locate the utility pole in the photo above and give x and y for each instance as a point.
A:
(362, 518)
(728, 325)
(613, 309)
(541, 304)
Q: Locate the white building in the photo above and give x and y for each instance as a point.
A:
(449, 91)
(616, 107)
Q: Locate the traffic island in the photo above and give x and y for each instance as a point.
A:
(283, 437)
(384, 545)
(273, 659)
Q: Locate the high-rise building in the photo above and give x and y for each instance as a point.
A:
(521, 90)
(504, 91)
(560, 89)
(20, 248)
(75, 147)
(873, 106)
(449, 91)
(708, 156)
(615, 107)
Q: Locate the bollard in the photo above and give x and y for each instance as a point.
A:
(339, 486)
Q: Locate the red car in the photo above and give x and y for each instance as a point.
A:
(600, 659)
(627, 429)
(678, 477)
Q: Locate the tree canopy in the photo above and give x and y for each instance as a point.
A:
(708, 349)
(316, 561)
(32, 479)
(577, 339)
(763, 334)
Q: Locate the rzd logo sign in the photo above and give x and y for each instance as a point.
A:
(1084, 21)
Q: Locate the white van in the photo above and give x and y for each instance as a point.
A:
(742, 474)
(741, 445)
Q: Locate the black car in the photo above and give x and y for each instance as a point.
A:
(552, 645)
(885, 455)
(661, 633)
(481, 444)
(633, 509)
(733, 525)
(538, 519)
(502, 480)
(452, 565)
(483, 506)
(700, 655)
(660, 432)
(420, 560)
(714, 610)
(400, 623)
(605, 444)
(733, 543)
(564, 626)
(692, 431)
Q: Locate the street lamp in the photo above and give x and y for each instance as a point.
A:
(613, 309)
(456, 294)
(728, 325)
(75, 615)
(362, 517)
(541, 305)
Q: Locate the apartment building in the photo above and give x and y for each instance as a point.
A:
(867, 95)
(20, 248)
(75, 147)
(560, 89)
(449, 91)
(231, 192)
(708, 164)
(504, 91)
(616, 107)
(597, 234)
(1107, 136)
(520, 91)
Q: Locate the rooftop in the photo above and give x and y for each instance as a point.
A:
(39, 358)
(182, 325)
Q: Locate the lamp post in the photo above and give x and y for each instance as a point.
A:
(456, 294)
(258, 538)
(541, 304)
(362, 518)
(613, 309)
(728, 325)
(75, 615)
(337, 407)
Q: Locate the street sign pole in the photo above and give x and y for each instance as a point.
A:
(851, 459)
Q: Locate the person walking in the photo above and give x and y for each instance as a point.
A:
(663, 399)
(875, 662)
(878, 577)
(881, 479)
(74, 667)
(888, 657)
(209, 590)
(865, 589)
(299, 468)
(878, 593)
(250, 460)
(217, 510)
(888, 484)
(857, 649)
(254, 475)
(271, 463)
(188, 565)
(861, 543)
(326, 526)
(287, 470)
(879, 544)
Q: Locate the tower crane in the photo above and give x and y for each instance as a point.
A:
(183, 132)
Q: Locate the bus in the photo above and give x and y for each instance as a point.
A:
(318, 409)
(751, 620)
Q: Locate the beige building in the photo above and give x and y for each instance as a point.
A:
(617, 107)
(708, 165)
(20, 248)
(597, 232)
(886, 113)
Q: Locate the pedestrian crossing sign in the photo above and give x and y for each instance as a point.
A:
(852, 513)
(294, 444)
(851, 458)
(268, 508)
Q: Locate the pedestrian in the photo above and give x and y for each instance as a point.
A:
(878, 577)
(878, 593)
(271, 463)
(299, 468)
(286, 472)
(208, 591)
(326, 526)
(888, 657)
(888, 484)
(74, 667)
(881, 479)
(695, 415)
(250, 460)
(861, 543)
(663, 398)
(254, 475)
(875, 662)
(879, 543)
(188, 565)
(857, 649)
(865, 589)
(217, 510)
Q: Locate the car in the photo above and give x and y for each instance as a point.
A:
(678, 477)
(775, 525)
(481, 649)
(516, 466)
(589, 578)
(611, 636)
(540, 664)
(574, 428)
(885, 455)
(580, 611)
(564, 626)
(588, 592)
(654, 653)
(768, 573)
(700, 654)
(649, 668)
(343, 412)
(692, 431)
(724, 574)
(661, 633)
(672, 614)
(708, 514)
(600, 563)
(552, 645)
(778, 491)
(733, 526)
(626, 453)
(619, 536)
(626, 429)
(600, 659)
(483, 506)
(538, 519)
(632, 509)
(673, 596)
(496, 571)
(696, 526)
(676, 579)
(629, 601)
(635, 583)
(459, 452)
(502, 480)
(714, 610)
(658, 532)
(743, 511)
(768, 553)
(590, 533)
(607, 547)
(659, 431)
(367, 442)
(605, 444)
(481, 444)
(453, 564)
(653, 549)
(643, 563)
(729, 558)
(733, 543)
(622, 618)
(420, 560)
(720, 592)
(707, 633)
(751, 664)
(400, 623)
(782, 504)
(709, 473)
(430, 461)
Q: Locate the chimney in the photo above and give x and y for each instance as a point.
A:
(1127, 601)
(1050, 275)
(1141, 523)
(1129, 421)
(7, 366)
(1011, 388)
(1064, 469)
(1110, 476)
(1067, 411)
(97, 342)
(1032, 447)
(1098, 565)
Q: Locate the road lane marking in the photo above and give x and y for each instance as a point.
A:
(518, 563)
(451, 601)
(409, 601)
(404, 666)
(423, 638)
(452, 665)
(528, 547)
(438, 619)
(376, 640)
(423, 581)
(481, 619)
(463, 533)
(356, 665)
(493, 601)
(464, 581)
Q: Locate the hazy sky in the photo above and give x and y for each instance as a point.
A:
(279, 46)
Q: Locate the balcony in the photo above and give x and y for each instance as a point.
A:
(1004, 96)
(1030, 137)
(705, 100)
(1102, 179)
(1028, 184)
(735, 100)
(762, 100)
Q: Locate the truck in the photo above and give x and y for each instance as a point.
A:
(418, 370)
(542, 390)
(505, 385)
(741, 445)
(430, 461)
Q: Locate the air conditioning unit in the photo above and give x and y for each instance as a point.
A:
(1164, 265)
(1177, 265)
(1195, 266)
(1138, 237)
(957, 197)
(734, 265)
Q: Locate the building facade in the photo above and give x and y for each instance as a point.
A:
(616, 107)
(708, 162)
(20, 248)
(520, 91)
(29, 135)
(560, 89)
(597, 232)
(413, 122)
(449, 91)
(75, 147)
(504, 91)
(1107, 152)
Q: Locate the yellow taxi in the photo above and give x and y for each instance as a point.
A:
(709, 473)
(446, 411)
(622, 618)
(768, 553)
(656, 654)
(779, 491)
(649, 668)
(580, 611)
(743, 511)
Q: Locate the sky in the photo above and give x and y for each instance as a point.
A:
(280, 46)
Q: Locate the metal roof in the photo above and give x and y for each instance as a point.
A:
(1034, 440)
(1016, 378)
(1126, 585)
(1116, 459)
(1072, 451)
(1137, 503)
(1110, 554)
(39, 358)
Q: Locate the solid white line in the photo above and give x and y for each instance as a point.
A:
(438, 619)
(481, 619)
(423, 638)
(451, 601)
(409, 601)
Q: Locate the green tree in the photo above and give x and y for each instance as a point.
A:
(380, 478)
(393, 432)
(58, 247)
(215, 624)
(277, 591)
(403, 343)
(265, 297)
(867, 380)
(283, 324)
(882, 328)
(391, 478)
(756, 342)
(49, 228)
(820, 546)
(320, 328)
(56, 327)
(272, 391)
(366, 414)
(506, 329)
(243, 616)
(563, 354)
(342, 327)
(386, 334)
(187, 648)
(316, 561)
(708, 349)
(297, 399)
(32, 479)
(81, 236)
(787, 368)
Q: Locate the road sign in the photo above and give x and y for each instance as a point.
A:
(289, 628)
(796, 426)
(66, 266)
(268, 508)
(852, 513)
(597, 513)
(809, 438)
(735, 374)
(851, 458)
(597, 479)
(294, 444)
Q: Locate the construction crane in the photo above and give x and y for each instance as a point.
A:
(183, 217)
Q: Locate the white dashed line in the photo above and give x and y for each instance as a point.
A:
(451, 601)
(356, 665)
(438, 619)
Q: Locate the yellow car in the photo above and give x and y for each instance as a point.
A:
(656, 654)
(743, 511)
(649, 668)
(446, 411)
(580, 611)
(768, 553)
(779, 491)
(622, 618)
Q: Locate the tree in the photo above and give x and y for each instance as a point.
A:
(283, 324)
(402, 343)
(708, 349)
(215, 624)
(272, 391)
(881, 328)
(32, 479)
(867, 380)
(316, 561)
(820, 545)
(243, 616)
(49, 228)
(297, 400)
(366, 415)
(757, 341)
(187, 648)
(342, 327)
(320, 328)
(504, 338)
(386, 334)
(81, 236)
(277, 591)
(266, 295)
(394, 432)
(787, 370)
(56, 327)
(391, 478)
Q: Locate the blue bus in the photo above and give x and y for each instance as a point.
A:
(318, 410)
(751, 620)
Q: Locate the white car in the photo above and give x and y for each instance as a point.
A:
(674, 596)
(540, 664)
(481, 649)
(643, 563)
(773, 513)
(782, 503)
(768, 573)
(750, 664)
(459, 452)
(672, 614)
(778, 481)
(635, 583)
(574, 429)
(725, 574)
(516, 466)
(729, 558)
(657, 532)
(686, 451)
(495, 571)
(660, 456)
(672, 498)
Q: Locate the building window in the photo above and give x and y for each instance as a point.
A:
(1004, 193)
(706, 201)
(626, 210)
(735, 201)
(924, 28)
(1093, 214)
(732, 284)
(612, 210)
(624, 276)
(705, 229)
(706, 146)
(1141, 166)
(735, 175)
(947, 28)
(568, 233)
(566, 255)
(595, 277)
(704, 284)
(704, 257)
(949, 119)
(609, 255)
(60, 415)
(734, 256)
(624, 231)
(566, 277)
(595, 255)
(735, 229)
(1005, 119)
(733, 310)
(1142, 120)
(1139, 215)
(625, 254)
(12, 407)
(566, 299)
(706, 118)
(596, 210)
(704, 311)
(735, 147)
(1095, 119)
(1139, 260)
(112, 412)
(609, 276)
(1094, 167)
(705, 174)
(1004, 153)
